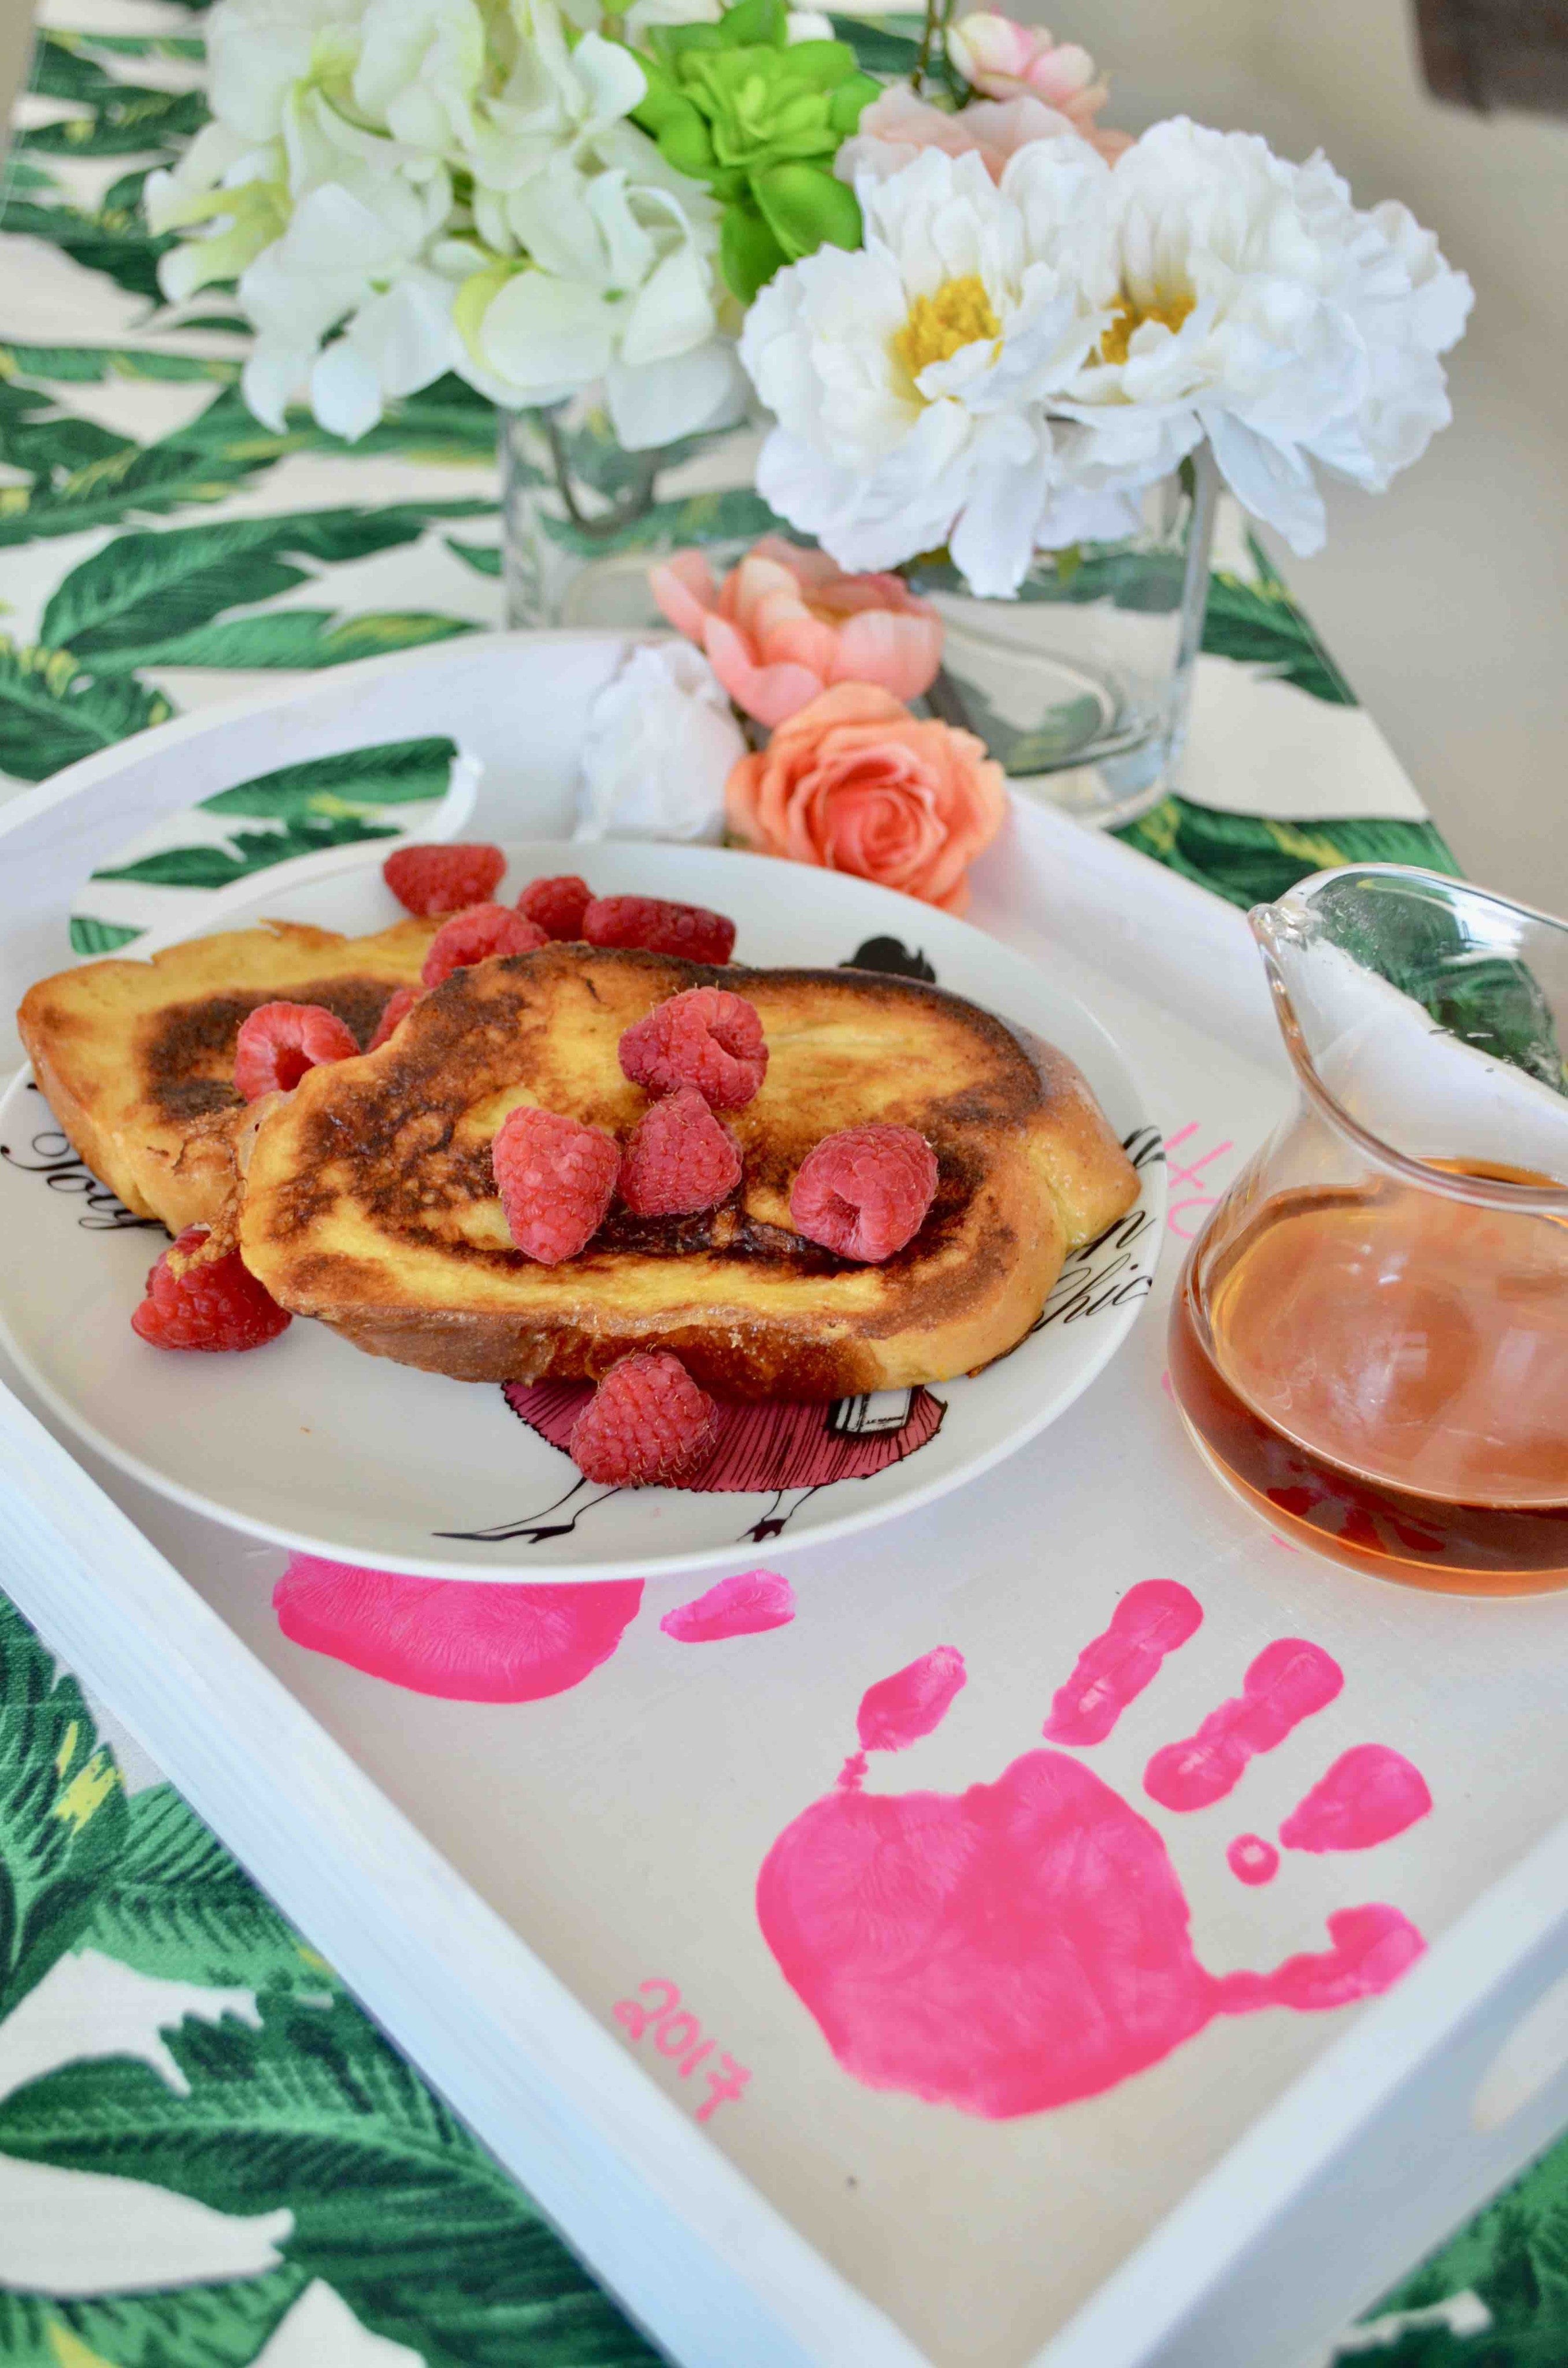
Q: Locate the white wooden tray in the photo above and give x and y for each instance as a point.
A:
(496, 1881)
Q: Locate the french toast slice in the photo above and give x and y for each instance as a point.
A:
(370, 1201)
(137, 1058)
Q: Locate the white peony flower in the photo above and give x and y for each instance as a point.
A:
(1253, 305)
(994, 374)
(911, 379)
(662, 741)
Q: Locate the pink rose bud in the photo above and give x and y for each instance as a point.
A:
(1009, 60)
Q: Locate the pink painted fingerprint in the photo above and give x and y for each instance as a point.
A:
(1372, 1947)
(462, 1639)
(1019, 1945)
(1289, 1681)
(1252, 1860)
(1152, 1620)
(783, 1443)
(899, 1710)
(1369, 1796)
(747, 1605)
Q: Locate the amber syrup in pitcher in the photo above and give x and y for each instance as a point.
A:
(1382, 1374)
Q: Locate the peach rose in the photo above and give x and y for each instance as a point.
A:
(788, 622)
(856, 783)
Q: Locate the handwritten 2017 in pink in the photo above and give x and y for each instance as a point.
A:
(678, 2035)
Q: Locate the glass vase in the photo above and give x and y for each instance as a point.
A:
(583, 518)
(1082, 686)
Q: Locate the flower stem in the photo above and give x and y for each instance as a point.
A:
(621, 515)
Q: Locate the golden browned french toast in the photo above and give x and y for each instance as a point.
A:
(370, 1201)
(137, 1058)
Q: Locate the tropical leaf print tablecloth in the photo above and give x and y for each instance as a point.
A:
(287, 2189)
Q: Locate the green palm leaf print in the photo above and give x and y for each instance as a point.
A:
(396, 772)
(425, 2238)
(248, 851)
(293, 638)
(52, 712)
(146, 590)
(109, 240)
(62, 1811)
(91, 936)
(223, 2326)
(125, 121)
(174, 1904)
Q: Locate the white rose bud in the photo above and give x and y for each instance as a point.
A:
(662, 741)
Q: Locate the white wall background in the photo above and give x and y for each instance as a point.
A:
(1445, 599)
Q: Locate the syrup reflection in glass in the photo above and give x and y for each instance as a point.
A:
(1369, 1341)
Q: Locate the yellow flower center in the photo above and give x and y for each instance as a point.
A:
(939, 326)
(1127, 317)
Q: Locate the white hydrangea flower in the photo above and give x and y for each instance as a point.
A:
(602, 261)
(911, 378)
(325, 187)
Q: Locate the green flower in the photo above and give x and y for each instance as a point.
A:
(760, 120)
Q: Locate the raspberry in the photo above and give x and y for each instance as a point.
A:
(279, 1041)
(688, 930)
(707, 1038)
(206, 1303)
(555, 1178)
(474, 935)
(864, 1191)
(557, 906)
(679, 1159)
(399, 1004)
(443, 879)
(646, 1426)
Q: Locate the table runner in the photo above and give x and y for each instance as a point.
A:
(300, 2194)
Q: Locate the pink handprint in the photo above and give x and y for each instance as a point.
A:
(1026, 1942)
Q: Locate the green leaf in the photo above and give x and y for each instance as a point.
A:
(62, 1811)
(248, 851)
(195, 2327)
(115, 243)
(392, 773)
(91, 936)
(889, 46)
(52, 712)
(483, 556)
(176, 1905)
(126, 122)
(806, 208)
(424, 2237)
(143, 589)
(293, 637)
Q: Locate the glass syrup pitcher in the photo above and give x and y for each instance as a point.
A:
(1369, 1340)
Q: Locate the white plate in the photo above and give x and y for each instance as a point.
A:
(311, 1444)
